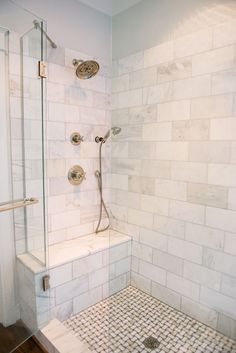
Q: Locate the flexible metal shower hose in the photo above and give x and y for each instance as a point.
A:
(98, 174)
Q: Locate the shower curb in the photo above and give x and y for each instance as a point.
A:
(56, 338)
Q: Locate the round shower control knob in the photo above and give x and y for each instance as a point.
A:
(76, 138)
(76, 175)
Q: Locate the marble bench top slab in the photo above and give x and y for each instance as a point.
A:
(74, 249)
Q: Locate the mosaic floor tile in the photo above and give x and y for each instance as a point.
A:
(122, 323)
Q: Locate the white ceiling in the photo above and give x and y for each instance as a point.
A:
(110, 7)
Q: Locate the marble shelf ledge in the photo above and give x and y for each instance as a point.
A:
(56, 338)
(70, 250)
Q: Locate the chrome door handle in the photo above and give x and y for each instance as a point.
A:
(10, 205)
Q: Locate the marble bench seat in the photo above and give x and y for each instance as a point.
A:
(82, 271)
(71, 250)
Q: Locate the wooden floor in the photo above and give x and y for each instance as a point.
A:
(12, 336)
(30, 346)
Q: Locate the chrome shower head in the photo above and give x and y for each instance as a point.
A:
(85, 69)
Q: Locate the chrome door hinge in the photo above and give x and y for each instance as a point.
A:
(46, 283)
(42, 69)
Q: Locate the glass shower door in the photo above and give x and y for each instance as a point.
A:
(22, 154)
(33, 55)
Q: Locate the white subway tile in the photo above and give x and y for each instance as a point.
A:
(119, 182)
(186, 211)
(219, 261)
(193, 43)
(55, 131)
(209, 151)
(99, 277)
(143, 114)
(221, 174)
(183, 286)
(141, 218)
(155, 205)
(153, 239)
(171, 189)
(192, 130)
(218, 302)
(55, 92)
(129, 98)
(159, 54)
(71, 289)
(175, 151)
(230, 243)
(202, 275)
(224, 82)
(152, 272)
(60, 275)
(128, 199)
(168, 262)
(166, 295)
(192, 87)
(232, 199)
(169, 226)
(126, 166)
(143, 78)
(142, 251)
(141, 282)
(142, 150)
(185, 250)
(157, 132)
(233, 152)
(158, 94)
(213, 61)
(69, 219)
(229, 286)
(212, 107)
(142, 185)
(226, 325)
(187, 171)
(172, 111)
(130, 63)
(176, 70)
(199, 312)
(208, 195)
(205, 236)
(119, 149)
(120, 83)
(87, 264)
(87, 299)
(223, 129)
(155, 169)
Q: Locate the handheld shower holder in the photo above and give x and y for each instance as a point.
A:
(99, 139)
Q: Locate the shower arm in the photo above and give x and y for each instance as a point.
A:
(37, 26)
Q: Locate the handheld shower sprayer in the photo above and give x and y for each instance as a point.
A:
(115, 131)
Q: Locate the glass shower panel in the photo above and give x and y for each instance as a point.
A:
(33, 94)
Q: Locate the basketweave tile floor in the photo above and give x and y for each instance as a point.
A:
(124, 322)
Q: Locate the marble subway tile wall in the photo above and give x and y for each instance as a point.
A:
(173, 170)
(75, 106)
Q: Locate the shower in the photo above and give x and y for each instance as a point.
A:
(115, 131)
(85, 69)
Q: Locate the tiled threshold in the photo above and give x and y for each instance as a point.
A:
(56, 338)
